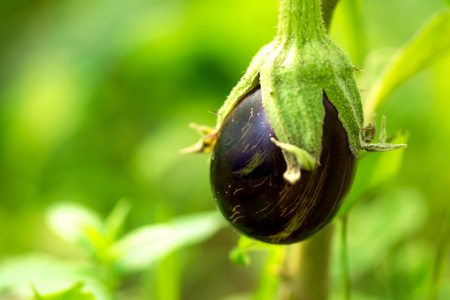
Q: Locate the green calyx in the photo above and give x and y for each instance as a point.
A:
(294, 71)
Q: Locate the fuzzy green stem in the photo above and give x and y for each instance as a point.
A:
(300, 19)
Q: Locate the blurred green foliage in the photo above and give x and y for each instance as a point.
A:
(73, 293)
(95, 99)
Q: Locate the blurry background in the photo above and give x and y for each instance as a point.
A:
(95, 102)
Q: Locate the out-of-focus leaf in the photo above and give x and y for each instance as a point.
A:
(361, 296)
(50, 97)
(79, 225)
(141, 247)
(47, 275)
(116, 219)
(385, 170)
(239, 257)
(328, 7)
(97, 244)
(389, 164)
(74, 292)
(239, 254)
(447, 1)
(237, 296)
(430, 45)
(439, 263)
(386, 222)
(68, 220)
(348, 26)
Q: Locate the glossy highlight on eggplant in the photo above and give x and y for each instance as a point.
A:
(248, 184)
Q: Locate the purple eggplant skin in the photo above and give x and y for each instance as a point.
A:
(247, 176)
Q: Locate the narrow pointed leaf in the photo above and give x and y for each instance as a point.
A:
(426, 48)
(116, 219)
(145, 245)
(74, 292)
(440, 258)
(68, 220)
(48, 275)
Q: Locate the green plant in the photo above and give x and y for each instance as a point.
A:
(94, 101)
(108, 255)
(288, 76)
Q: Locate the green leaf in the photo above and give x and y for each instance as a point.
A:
(440, 258)
(384, 171)
(328, 7)
(389, 220)
(239, 257)
(143, 246)
(79, 225)
(48, 275)
(447, 1)
(116, 219)
(239, 254)
(68, 220)
(74, 292)
(426, 48)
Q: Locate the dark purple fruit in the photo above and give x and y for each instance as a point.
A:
(248, 184)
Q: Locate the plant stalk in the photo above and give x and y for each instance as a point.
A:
(307, 267)
(300, 19)
(344, 260)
